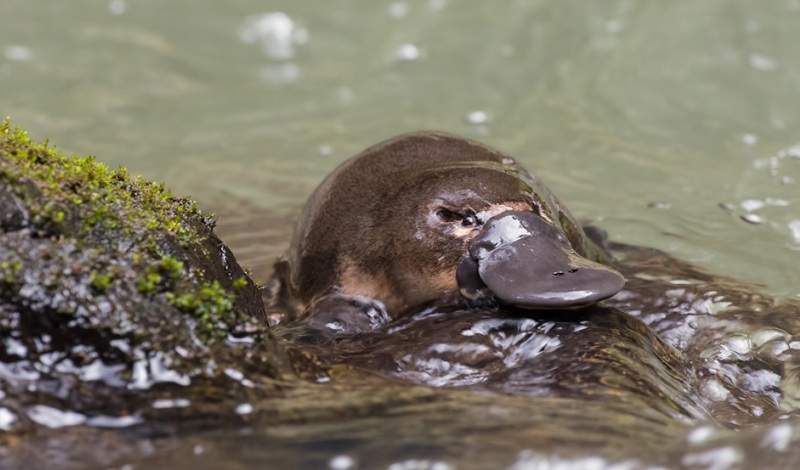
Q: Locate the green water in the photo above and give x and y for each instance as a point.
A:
(616, 104)
(644, 117)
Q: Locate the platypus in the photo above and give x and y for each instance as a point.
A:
(432, 218)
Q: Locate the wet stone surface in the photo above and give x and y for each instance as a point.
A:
(119, 307)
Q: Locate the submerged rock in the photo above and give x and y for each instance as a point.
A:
(118, 303)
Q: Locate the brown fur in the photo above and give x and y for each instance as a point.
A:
(368, 229)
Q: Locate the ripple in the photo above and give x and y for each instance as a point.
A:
(406, 53)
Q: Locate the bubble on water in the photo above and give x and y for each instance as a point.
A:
(341, 462)
(778, 438)
(720, 458)
(325, 150)
(752, 219)
(18, 53)
(398, 9)
(793, 151)
(171, 403)
(751, 205)
(275, 32)
(244, 409)
(762, 62)
(477, 117)
(406, 52)
(7, 418)
(117, 7)
(794, 227)
(749, 139)
(234, 374)
(115, 422)
(53, 417)
(700, 434)
(198, 449)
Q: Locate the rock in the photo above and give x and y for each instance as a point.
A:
(118, 303)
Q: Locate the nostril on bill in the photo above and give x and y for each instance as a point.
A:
(561, 273)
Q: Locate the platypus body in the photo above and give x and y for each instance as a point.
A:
(431, 218)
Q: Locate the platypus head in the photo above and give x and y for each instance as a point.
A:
(426, 216)
(484, 230)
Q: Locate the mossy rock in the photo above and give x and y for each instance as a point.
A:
(118, 303)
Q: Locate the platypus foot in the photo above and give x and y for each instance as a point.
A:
(347, 314)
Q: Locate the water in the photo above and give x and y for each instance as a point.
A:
(673, 125)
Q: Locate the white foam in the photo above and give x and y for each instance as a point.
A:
(53, 417)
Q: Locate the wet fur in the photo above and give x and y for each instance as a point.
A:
(363, 231)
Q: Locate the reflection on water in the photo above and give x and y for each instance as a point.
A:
(673, 125)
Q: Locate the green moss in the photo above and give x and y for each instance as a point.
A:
(239, 284)
(171, 266)
(81, 199)
(101, 196)
(101, 282)
(212, 306)
(9, 271)
(160, 275)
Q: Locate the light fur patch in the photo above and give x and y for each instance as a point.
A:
(354, 281)
(493, 210)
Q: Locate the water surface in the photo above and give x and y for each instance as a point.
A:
(671, 125)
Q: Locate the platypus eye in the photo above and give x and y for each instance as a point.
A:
(467, 218)
(469, 221)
